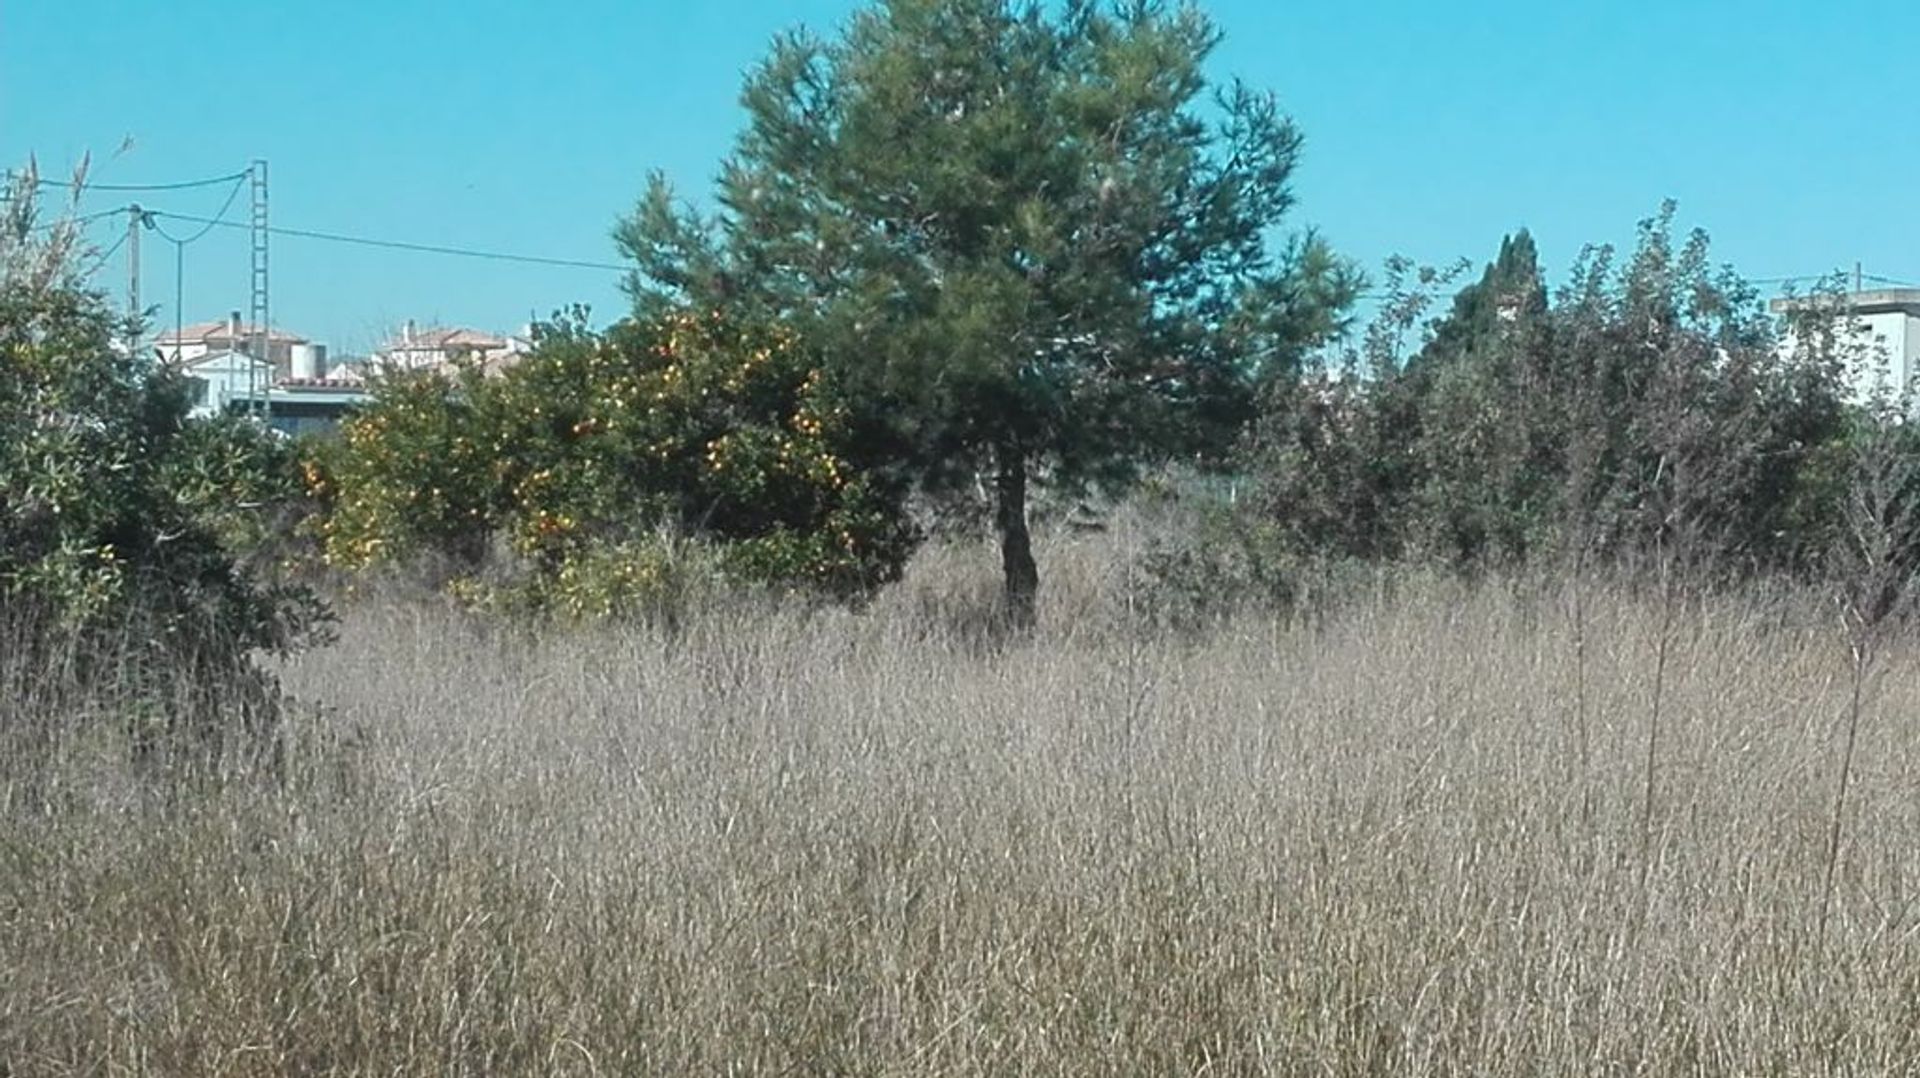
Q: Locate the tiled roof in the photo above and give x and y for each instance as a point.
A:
(208, 332)
(226, 354)
(438, 339)
(318, 385)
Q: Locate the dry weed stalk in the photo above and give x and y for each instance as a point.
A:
(1875, 561)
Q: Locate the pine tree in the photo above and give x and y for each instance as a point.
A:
(1509, 291)
(1032, 228)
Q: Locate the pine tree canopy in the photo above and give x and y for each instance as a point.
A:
(1038, 229)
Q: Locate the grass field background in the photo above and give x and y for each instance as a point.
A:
(1374, 840)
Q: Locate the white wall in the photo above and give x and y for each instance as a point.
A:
(281, 352)
(226, 378)
(184, 353)
(1894, 337)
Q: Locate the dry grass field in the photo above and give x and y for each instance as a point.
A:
(1375, 841)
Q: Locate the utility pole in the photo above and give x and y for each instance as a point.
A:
(135, 219)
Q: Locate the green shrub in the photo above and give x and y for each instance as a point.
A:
(1226, 564)
(1652, 412)
(570, 465)
(121, 519)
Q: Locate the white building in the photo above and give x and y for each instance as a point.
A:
(413, 349)
(226, 380)
(292, 389)
(191, 342)
(1887, 323)
(234, 382)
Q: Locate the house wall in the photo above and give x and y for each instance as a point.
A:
(224, 380)
(1895, 336)
(412, 359)
(185, 353)
(1886, 322)
(421, 357)
(280, 352)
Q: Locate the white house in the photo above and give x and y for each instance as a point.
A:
(1887, 322)
(413, 348)
(226, 381)
(191, 342)
(291, 388)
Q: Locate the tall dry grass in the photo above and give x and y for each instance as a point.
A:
(1366, 843)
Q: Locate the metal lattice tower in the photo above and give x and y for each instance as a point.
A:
(262, 335)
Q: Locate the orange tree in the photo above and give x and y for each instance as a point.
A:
(412, 474)
(588, 460)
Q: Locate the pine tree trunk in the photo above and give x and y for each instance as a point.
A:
(1016, 545)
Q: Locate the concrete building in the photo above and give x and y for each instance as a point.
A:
(1887, 322)
(234, 382)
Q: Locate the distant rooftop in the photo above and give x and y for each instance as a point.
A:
(1871, 301)
(446, 339)
(209, 332)
(209, 359)
(320, 388)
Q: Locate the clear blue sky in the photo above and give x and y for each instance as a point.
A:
(1783, 128)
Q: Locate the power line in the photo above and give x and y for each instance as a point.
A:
(112, 249)
(209, 223)
(180, 250)
(85, 185)
(1831, 275)
(80, 220)
(1835, 275)
(218, 218)
(401, 245)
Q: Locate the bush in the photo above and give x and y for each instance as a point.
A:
(1653, 412)
(119, 516)
(570, 466)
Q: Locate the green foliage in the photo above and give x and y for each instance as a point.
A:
(242, 481)
(592, 460)
(122, 521)
(1511, 292)
(1652, 410)
(1034, 232)
(413, 472)
(1224, 562)
(1482, 431)
(1333, 454)
(656, 580)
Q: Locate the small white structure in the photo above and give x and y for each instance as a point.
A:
(1887, 322)
(347, 370)
(309, 363)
